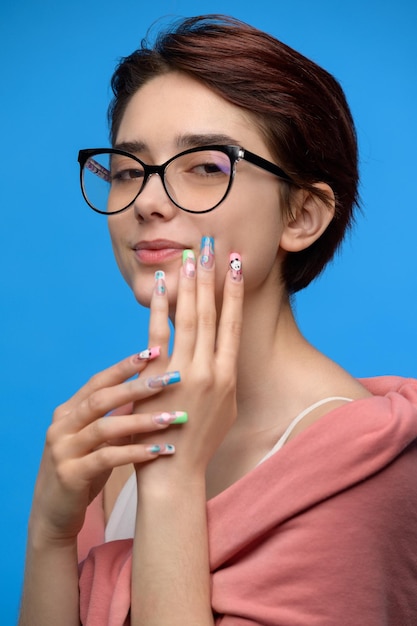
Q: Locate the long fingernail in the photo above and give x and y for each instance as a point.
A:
(169, 378)
(149, 354)
(163, 450)
(167, 449)
(236, 266)
(188, 263)
(174, 417)
(160, 286)
(207, 252)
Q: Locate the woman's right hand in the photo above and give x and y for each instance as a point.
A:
(84, 444)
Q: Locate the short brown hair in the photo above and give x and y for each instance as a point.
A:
(300, 108)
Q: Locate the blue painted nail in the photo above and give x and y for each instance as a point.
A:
(207, 252)
(155, 382)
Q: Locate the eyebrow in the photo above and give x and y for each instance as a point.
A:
(188, 140)
(204, 139)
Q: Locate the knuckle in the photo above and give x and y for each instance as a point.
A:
(203, 377)
(104, 457)
(229, 384)
(50, 437)
(227, 380)
(54, 447)
(98, 429)
(234, 328)
(159, 335)
(60, 412)
(186, 323)
(207, 319)
(62, 474)
(94, 381)
(95, 403)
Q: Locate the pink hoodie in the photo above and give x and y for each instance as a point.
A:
(323, 533)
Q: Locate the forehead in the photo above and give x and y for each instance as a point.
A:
(175, 105)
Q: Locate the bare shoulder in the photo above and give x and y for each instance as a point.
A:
(339, 389)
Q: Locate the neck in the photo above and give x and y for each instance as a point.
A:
(279, 372)
(269, 332)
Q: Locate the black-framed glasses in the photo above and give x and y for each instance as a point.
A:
(196, 180)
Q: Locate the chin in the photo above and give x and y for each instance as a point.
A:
(142, 289)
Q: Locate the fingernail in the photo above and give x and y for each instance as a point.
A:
(236, 266)
(149, 354)
(174, 417)
(154, 449)
(160, 286)
(155, 382)
(188, 263)
(167, 449)
(207, 252)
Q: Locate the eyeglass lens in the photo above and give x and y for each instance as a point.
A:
(196, 181)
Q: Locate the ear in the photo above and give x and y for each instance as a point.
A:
(309, 217)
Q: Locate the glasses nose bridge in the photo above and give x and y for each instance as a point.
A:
(150, 170)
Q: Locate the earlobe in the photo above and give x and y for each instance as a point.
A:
(310, 216)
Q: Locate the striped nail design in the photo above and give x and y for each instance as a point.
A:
(207, 252)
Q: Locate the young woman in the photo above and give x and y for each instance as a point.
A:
(245, 478)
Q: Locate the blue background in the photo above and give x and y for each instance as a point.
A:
(65, 311)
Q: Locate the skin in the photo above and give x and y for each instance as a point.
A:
(196, 111)
(221, 326)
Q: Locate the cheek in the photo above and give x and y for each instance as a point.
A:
(260, 252)
(116, 231)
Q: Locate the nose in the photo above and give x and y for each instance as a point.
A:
(153, 201)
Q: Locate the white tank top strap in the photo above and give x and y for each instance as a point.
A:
(282, 440)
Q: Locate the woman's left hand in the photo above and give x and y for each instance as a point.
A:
(205, 353)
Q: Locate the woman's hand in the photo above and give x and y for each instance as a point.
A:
(84, 444)
(205, 350)
(171, 536)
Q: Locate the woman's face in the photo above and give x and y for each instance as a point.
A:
(167, 115)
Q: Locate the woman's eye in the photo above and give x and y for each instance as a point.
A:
(126, 175)
(208, 169)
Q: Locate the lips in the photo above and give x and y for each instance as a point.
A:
(158, 250)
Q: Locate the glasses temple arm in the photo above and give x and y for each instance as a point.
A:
(265, 164)
(100, 171)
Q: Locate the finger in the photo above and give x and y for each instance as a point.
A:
(159, 331)
(186, 315)
(107, 458)
(206, 307)
(118, 430)
(230, 323)
(109, 377)
(125, 409)
(102, 401)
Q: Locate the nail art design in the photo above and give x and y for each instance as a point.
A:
(160, 287)
(167, 449)
(154, 449)
(149, 354)
(236, 266)
(207, 252)
(174, 417)
(188, 263)
(156, 382)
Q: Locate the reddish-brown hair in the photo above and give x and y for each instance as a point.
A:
(300, 108)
